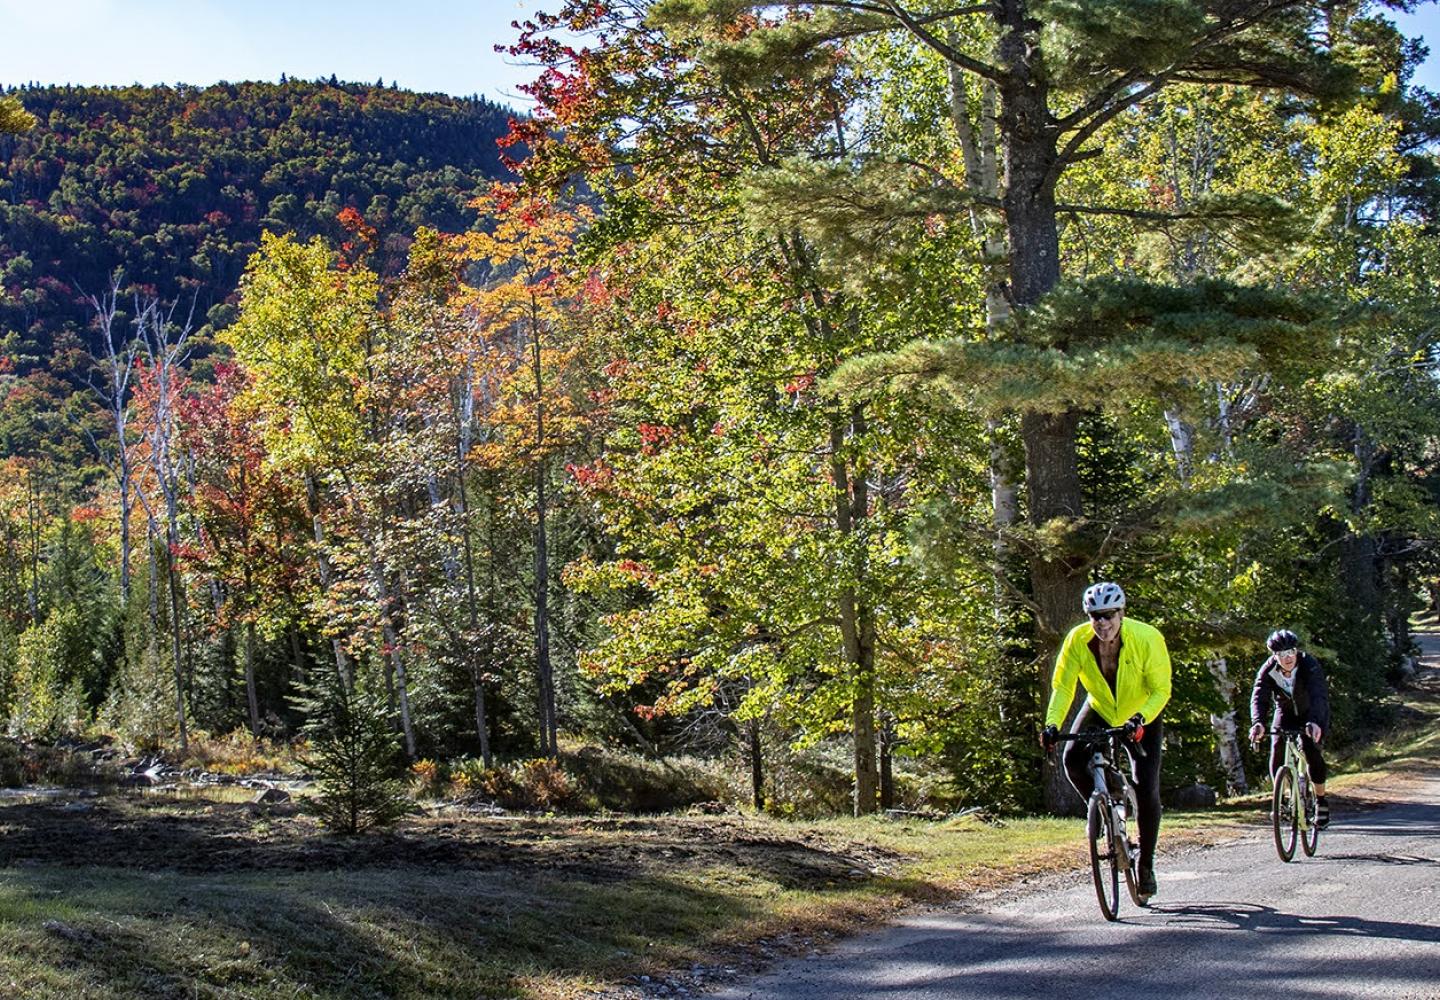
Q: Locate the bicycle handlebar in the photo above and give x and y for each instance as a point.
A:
(1099, 735)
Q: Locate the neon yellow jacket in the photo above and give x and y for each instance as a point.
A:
(1142, 682)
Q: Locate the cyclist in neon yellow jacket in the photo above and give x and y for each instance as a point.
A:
(1125, 669)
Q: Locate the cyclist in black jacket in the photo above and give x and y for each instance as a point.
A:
(1294, 684)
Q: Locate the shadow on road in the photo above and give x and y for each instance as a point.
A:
(1253, 917)
(1400, 819)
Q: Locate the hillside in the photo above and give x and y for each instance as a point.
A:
(174, 185)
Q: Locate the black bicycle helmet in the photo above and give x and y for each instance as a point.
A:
(1282, 639)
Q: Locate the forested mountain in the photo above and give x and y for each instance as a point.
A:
(173, 185)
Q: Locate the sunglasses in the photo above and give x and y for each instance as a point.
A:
(1102, 616)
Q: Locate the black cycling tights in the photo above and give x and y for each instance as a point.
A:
(1145, 771)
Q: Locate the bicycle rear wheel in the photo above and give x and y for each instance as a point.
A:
(1104, 862)
(1283, 815)
(1310, 836)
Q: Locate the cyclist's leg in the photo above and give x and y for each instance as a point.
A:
(1277, 749)
(1146, 772)
(1077, 755)
(1318, 773)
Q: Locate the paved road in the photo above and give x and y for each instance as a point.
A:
(1359, 920)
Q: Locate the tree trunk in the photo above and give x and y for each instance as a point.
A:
(857, 627)
(757, 765)
(472, 653)
(322, 563)
(544, 671)
(1052, 481)
(1182, 444)
(125, 506)
(1358, 553)
(251, 697)
(1226, 735)
(395, 656)
(887, 764)
(176, 645)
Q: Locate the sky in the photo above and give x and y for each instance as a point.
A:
(425, 45)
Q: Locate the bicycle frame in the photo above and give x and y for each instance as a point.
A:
(1293, 798)
(1111, 849)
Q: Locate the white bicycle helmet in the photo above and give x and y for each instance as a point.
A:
(1104, 597)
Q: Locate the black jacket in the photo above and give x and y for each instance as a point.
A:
(1309, 703)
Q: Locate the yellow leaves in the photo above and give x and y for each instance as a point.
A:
(1357, 154)
(305, 335)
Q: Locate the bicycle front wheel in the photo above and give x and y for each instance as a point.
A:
(1284, 815)
(1131, 858)
(1104, 862)
(1310, 836)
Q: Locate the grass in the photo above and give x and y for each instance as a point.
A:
(181, 898)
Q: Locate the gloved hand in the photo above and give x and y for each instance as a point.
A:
(1135, 728)
(1049, 736)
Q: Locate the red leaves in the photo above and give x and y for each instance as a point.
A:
(594, 478)
(365, 237)
(86, 513)
(654, 437)
(800, 384)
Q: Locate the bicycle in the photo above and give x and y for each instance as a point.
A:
(1294, 807)
(1112, 804)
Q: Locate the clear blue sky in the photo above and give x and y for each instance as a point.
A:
(428, 45)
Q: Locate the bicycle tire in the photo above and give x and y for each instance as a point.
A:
(1310, 836)
(1283, 815)
(1104, 863)
(1132, 849)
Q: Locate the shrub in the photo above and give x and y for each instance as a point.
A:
(587, 780)
(238, 752)
(429, 777)
(141, 708)
(43, 703)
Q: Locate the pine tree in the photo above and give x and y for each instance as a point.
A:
(355, 756)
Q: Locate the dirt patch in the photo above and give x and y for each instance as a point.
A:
(160, 834)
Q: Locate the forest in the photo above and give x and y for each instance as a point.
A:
(764, 399)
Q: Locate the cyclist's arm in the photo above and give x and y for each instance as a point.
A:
(1157, 677)
(1260, 699)
(1319, 697)
(1062, 681)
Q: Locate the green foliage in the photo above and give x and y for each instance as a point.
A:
(140, 708)
(47, 698)
(354, 754)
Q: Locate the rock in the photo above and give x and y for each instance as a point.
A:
(272, 795)
(1196, 796)
(67, 932)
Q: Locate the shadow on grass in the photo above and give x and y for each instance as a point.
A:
(194, 837)
(369, 933)
(161, 899)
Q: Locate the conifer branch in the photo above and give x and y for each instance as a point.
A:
(916, 25)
